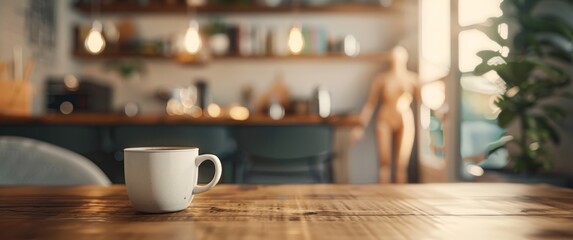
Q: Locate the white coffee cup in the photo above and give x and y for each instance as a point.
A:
(164, 179)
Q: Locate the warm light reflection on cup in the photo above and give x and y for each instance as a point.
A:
(295, 40)
(239, 113)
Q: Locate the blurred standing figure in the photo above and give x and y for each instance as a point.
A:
(395, 125)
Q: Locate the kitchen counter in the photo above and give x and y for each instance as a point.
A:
(101, 137)
(118, 119)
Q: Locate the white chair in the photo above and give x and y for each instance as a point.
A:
(25, 161)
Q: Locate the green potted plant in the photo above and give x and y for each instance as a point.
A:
(535, 66)
(126, 69)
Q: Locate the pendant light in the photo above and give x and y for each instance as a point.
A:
(192, 42)
(94, 42)
(295, 38)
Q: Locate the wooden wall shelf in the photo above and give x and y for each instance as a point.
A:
(375, 57)
(118, 119)
(234, 9)
(114, 55)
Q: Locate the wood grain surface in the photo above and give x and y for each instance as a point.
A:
(431, 211)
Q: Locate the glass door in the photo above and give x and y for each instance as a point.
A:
(457, 113)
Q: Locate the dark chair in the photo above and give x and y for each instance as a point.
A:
(84, 140)
(284, 154)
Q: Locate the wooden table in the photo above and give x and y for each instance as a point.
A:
(433, 211)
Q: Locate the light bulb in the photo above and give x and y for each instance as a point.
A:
(95, 43)
(192, 39)
(295, 40)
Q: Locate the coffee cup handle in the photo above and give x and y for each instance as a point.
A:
(218, 170)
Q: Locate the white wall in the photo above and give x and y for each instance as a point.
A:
(346, 80)
(48, 61)
(13, 34)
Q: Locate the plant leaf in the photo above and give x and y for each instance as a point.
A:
(547, 165)
(568, 95)
(544, 126)
(556, 50)
(547, 24)
(515, 73)
(560, 55)
(568, 1)
(483, 68)
(505, 118)
(522, 70)
(499, 144)
(486, 55)
(522, 41)
(554, 112)
(552, 71)
(527, 6)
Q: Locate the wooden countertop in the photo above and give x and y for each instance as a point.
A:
(117, 119)
(423, 211)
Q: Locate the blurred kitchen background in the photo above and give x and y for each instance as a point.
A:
(273, 87)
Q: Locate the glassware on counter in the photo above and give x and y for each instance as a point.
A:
(321, 102)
